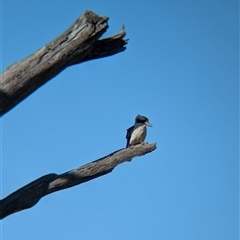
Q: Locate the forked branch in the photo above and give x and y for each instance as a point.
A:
(77, 44)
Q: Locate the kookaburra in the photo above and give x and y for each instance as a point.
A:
(137, 133)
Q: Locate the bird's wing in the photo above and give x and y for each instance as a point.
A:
(128, 136)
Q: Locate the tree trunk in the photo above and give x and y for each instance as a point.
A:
(77, 44)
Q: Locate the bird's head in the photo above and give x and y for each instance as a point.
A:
(143, 120)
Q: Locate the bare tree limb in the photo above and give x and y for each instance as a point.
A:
(77, 44)
(29, 195)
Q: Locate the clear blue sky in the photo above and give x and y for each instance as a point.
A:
(181, 70)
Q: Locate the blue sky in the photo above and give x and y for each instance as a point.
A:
(181, 70)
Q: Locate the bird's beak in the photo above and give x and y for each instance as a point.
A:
(148, 124)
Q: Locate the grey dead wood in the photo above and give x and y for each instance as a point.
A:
(79, 43)
(29, 195)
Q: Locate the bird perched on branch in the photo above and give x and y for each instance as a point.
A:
(137, 133)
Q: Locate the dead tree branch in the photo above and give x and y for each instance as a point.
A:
(29, 195)
(77, 44)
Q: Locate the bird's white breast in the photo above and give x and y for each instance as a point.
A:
(138, 135)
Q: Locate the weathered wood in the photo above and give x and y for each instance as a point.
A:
(77, 44)
(29, 195)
